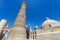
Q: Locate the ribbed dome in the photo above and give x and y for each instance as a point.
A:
(49, 21)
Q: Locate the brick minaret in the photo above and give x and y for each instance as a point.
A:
(19, 30)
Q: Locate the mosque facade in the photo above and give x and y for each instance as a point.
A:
(50, 29)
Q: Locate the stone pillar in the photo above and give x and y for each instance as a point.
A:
(19, 30)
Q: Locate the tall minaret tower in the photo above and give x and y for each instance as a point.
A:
(19, 30)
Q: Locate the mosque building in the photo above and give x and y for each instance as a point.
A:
(50, 29)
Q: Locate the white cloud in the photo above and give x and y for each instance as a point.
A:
(26, 25)
(36, 26)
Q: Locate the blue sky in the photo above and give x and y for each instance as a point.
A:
(36, 11)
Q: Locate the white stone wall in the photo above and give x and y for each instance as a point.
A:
(49, 36)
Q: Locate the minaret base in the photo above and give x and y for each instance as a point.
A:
(17, 34)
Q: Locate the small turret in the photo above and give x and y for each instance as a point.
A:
(2, 25)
